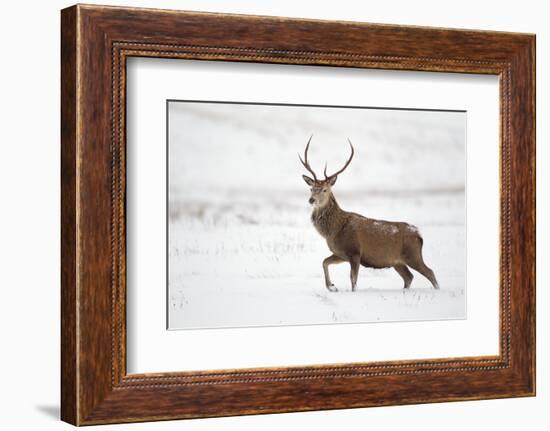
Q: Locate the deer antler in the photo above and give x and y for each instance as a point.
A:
(306, 163)
(345, 166)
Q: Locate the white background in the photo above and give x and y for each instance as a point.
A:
(29, 228)
(151, 348)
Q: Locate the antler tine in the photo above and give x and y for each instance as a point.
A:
(345, 166)
(306, 163)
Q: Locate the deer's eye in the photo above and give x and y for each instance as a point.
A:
(325, 190)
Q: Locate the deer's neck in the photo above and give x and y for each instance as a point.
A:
(328, 220)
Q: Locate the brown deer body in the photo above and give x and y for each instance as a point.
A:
(360, 240)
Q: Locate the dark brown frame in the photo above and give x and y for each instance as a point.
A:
(95, 43)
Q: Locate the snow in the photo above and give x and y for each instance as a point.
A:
(242, 250)
(256, 276)
(386, 227)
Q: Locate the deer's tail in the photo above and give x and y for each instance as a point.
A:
(416, 232)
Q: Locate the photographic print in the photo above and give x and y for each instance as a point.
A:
(299, 215)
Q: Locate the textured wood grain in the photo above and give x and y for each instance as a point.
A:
(69, 331)
(96, 41)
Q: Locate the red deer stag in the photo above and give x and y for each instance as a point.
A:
(360, 240)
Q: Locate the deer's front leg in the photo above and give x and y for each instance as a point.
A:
(328, 261)
(355, 263)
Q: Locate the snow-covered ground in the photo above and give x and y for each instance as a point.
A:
(242, 251)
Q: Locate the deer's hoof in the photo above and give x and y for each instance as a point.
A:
(331, 288)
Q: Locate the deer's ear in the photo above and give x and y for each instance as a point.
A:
(332, 180)
(308, 180)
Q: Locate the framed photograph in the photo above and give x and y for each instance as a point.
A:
(317, 215)
(245, 253)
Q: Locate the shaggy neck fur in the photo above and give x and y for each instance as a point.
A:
(328, 220)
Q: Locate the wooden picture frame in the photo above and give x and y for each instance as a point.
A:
(95, 43)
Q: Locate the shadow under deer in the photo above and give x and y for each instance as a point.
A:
(359, 240)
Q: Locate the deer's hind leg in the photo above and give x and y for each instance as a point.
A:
(407, 275)
(414, 259)
(329, 261)
(419, 265)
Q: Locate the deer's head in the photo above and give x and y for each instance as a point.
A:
(321, 189)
